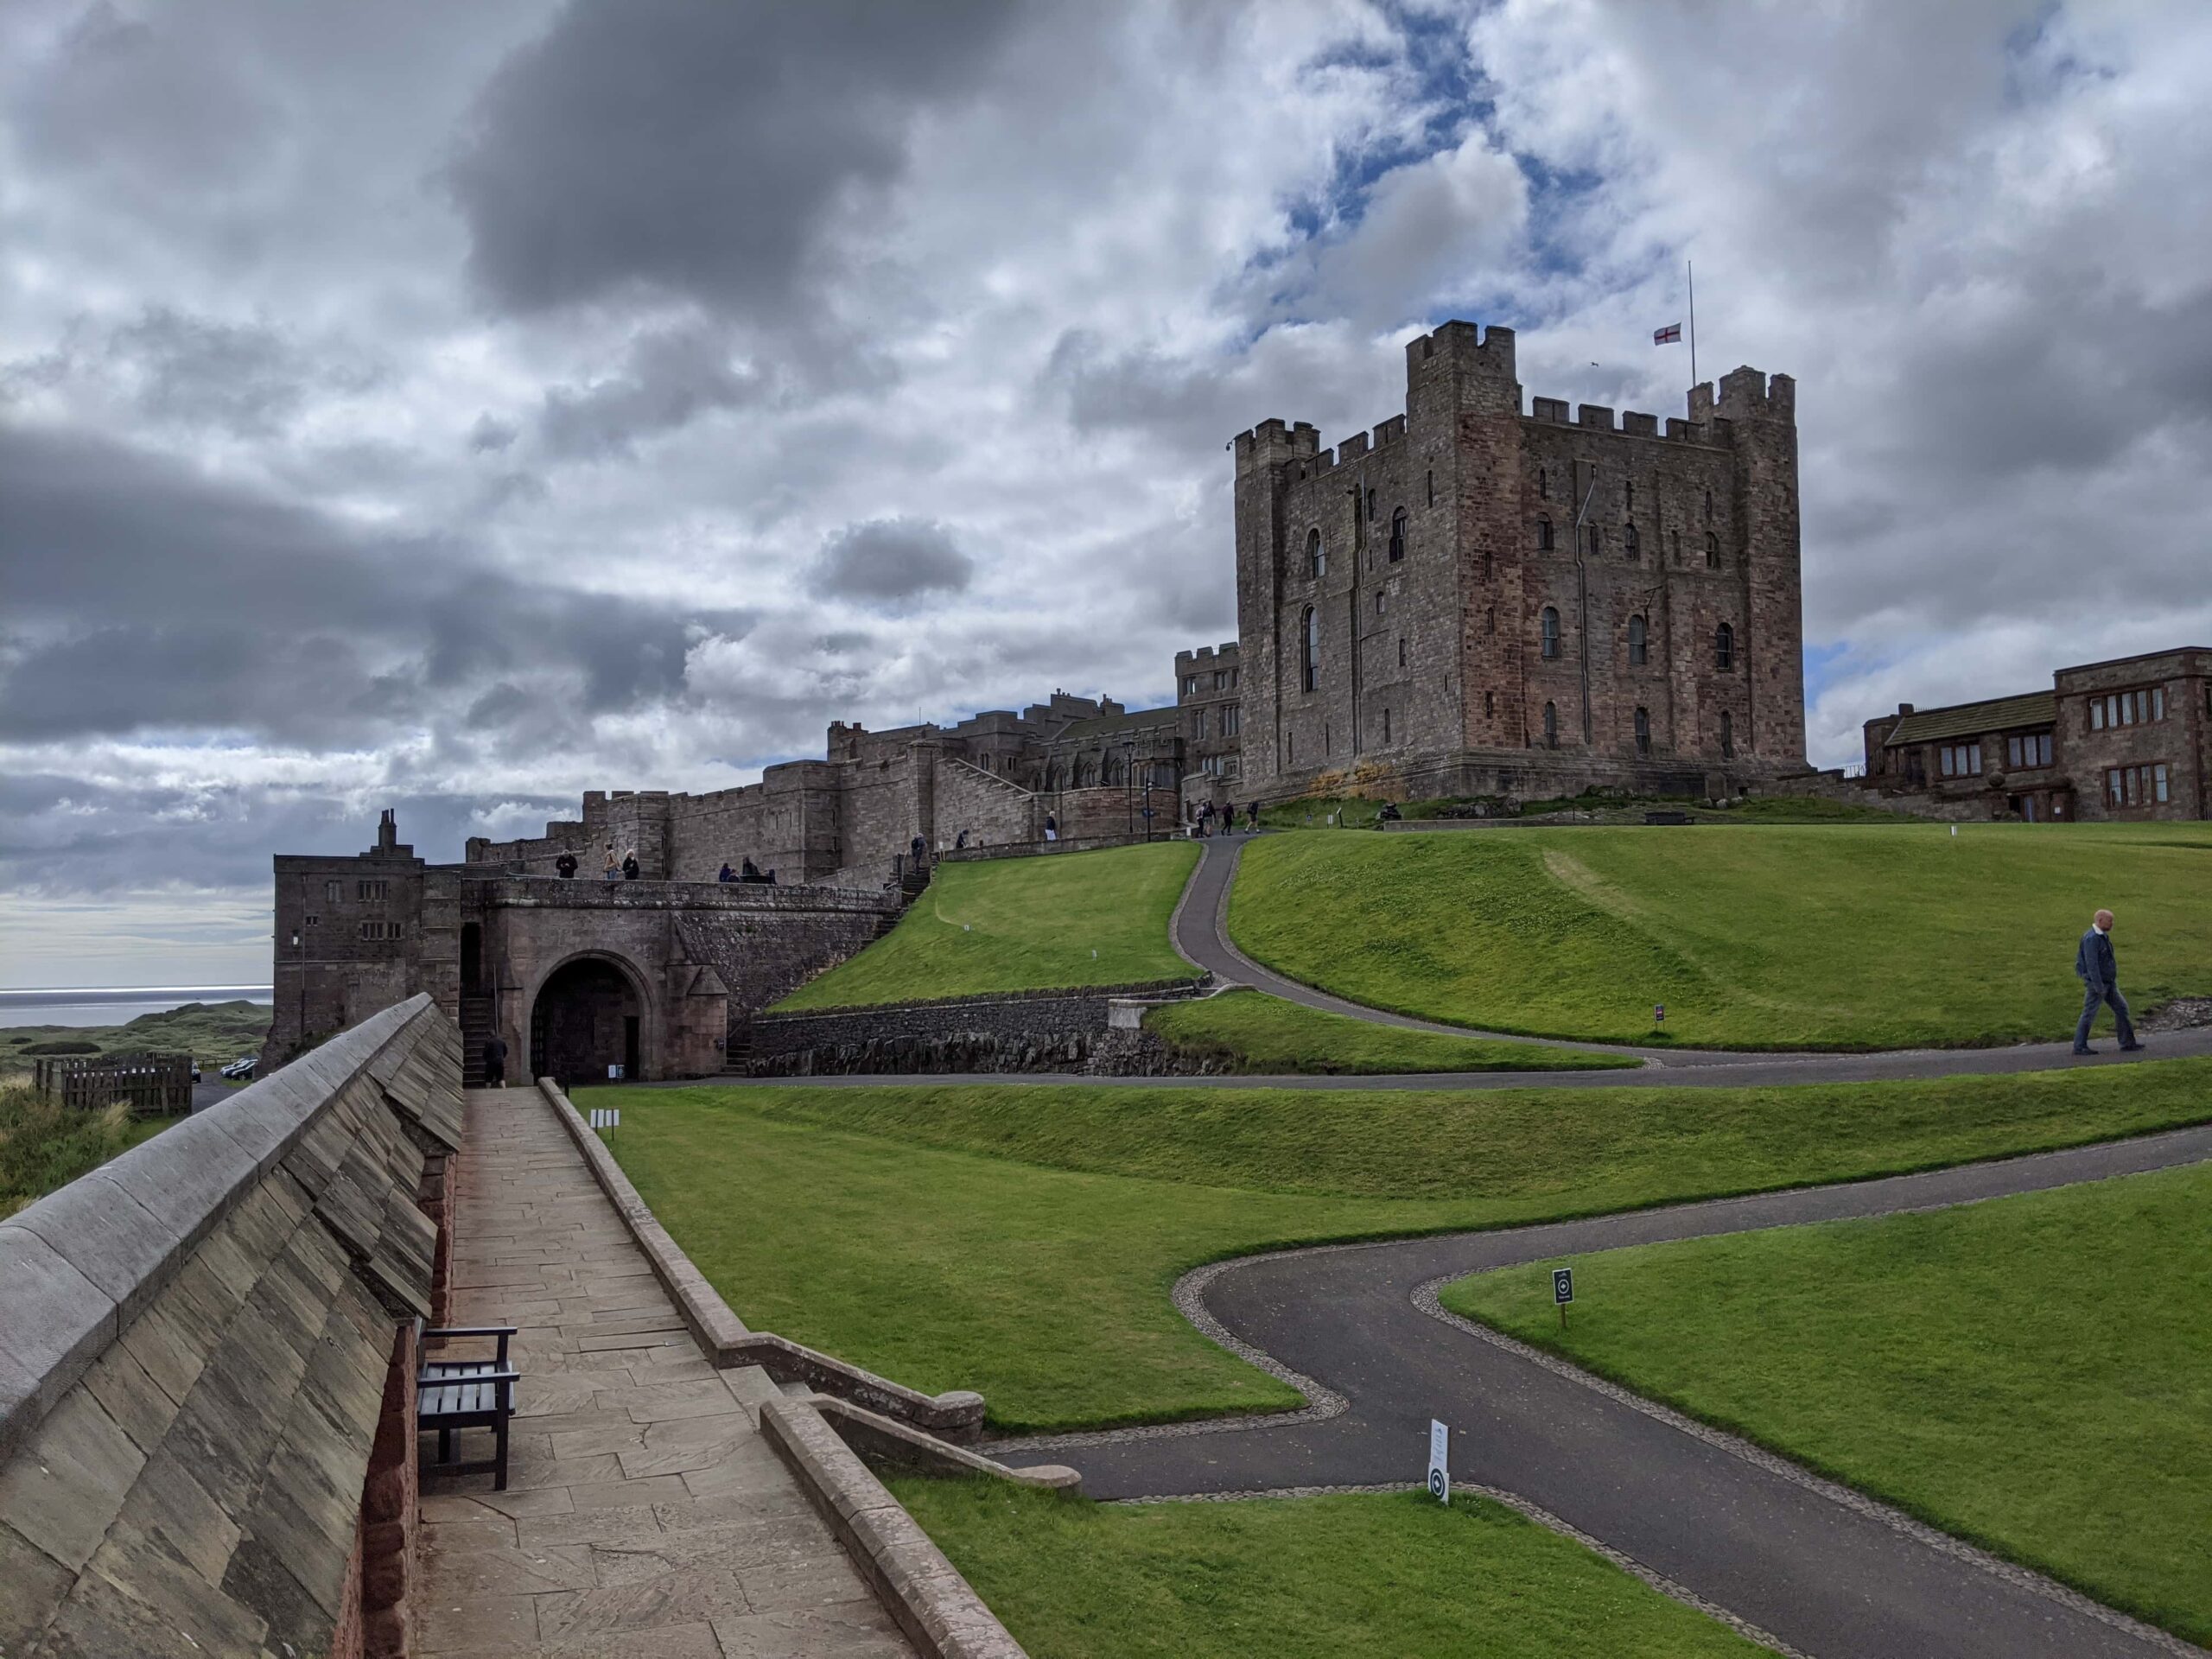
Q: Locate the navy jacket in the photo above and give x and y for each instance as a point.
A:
(2093, 963)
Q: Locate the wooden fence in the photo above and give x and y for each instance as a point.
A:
(152, 1085)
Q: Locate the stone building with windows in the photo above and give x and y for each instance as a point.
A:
(2127, 738)
(1472, 600)
(1209, 692)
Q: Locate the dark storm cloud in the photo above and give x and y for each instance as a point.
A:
(893, 561)
(698, 150)
(142, 595)
(674, 376)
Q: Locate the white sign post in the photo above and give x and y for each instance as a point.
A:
(606, 1117)
(1439, 1462)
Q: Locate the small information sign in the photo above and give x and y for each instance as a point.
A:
(1562, 1285)
(1439, 1462)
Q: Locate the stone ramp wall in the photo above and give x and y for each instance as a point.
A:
(209, 1350)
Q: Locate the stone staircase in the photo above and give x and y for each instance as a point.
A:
(475, 1026)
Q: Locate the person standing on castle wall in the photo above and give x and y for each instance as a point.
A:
(630, 865)
(613, 868)
(565, 867)
(2100, 976)
(728, 874)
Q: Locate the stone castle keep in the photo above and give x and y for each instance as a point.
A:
(1470, 601)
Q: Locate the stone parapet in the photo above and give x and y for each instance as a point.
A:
(199, 1339)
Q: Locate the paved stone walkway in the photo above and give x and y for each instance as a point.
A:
(645, 1514)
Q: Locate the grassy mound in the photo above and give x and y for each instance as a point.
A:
(1348, 1575)
(1023, 1239)
(1250, 1030)
(1022, 924)
(214, 1033)
(1780, 936)
(2034, 1372)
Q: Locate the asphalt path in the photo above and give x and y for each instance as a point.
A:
(1819, 1569)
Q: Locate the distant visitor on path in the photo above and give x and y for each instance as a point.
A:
(495, 1061)
(960, 842)
(630, 865)
(2099, 976)
(1251, 815)
(613, 868)
(917, 846)
(565, 867)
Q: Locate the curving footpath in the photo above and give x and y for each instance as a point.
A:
(1806, 1566)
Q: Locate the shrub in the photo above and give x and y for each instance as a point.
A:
(44, 1144)
(63, 1046)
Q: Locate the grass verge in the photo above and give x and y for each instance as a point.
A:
(1774, 937)
(1023, 1240)
(1250, 1030)
(1348, 1575)
(1070, 919)
(44, 1145)
(2034, 1373)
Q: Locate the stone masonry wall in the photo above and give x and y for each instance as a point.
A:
(1045, 1031)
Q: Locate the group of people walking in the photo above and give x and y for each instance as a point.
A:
(1204, 821)
(623, 869)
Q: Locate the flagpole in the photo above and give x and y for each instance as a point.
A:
(1690, 265)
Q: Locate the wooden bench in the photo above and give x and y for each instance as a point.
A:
(455, 1394)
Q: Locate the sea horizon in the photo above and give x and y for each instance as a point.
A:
(113, 1005)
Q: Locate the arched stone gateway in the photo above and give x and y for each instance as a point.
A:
(588, 1016)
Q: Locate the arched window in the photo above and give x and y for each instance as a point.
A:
(1709, 506)
(1490, 567)
(1489, 703)
(1643, 731)
(1551, 726)
(1551, 632)
(1727, 735)
(1712, 551)
(1632, 544)
(1637, 650)
(1397, 535)
(1386, 725)
(1628, 498)
(1432, 486)
(1311, 629)
(1724, 647)
(1371, 506)
(1543, 535)
(1543, 484)
(1490, 621)
(1317, 557)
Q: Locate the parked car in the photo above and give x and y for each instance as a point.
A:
(240, 1069)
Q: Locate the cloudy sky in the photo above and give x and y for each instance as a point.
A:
(455, 406)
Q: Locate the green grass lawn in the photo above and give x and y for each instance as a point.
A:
(1348, 1576)
(1023, 1240)
(1754, 936)
(2035, 1373)
(1022, 924)
(1250, 1030)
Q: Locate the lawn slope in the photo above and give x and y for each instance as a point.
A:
(1022, 924)
(1023, 1240)
(1345, 1576)
(2033, 1372)
(1250, 1030)
(1774, 936)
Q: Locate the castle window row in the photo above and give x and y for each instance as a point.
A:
(380, 930)
(1631, 543)
(2127, 708)
(2024, 750)
(2136, 785)
(1958, 760)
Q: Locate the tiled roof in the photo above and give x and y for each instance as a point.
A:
(1975, 719)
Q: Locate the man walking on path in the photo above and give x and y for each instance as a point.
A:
(495, 1061)
(2099, 976)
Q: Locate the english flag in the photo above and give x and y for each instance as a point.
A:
(1670, 335)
